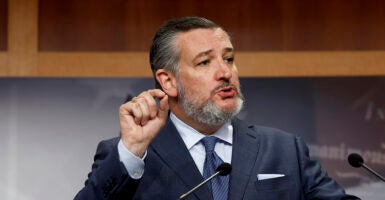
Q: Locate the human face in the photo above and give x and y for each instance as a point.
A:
(208, 85)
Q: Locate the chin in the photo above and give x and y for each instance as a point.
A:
(228, 108)
(228, 104)
(235, 106)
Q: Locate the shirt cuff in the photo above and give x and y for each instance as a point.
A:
(133, 164)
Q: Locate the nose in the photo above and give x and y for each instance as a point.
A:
(224, 71)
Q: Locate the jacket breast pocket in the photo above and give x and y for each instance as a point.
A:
(274, 184)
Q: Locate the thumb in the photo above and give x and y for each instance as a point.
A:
(163, 107)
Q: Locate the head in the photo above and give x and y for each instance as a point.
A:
(163, 51)
(192, 60)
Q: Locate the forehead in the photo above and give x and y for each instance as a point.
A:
(199, 40)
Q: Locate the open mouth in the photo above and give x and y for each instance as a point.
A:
(227, 92)
(227, 89)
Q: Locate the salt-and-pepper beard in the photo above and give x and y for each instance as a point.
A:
(206, 112)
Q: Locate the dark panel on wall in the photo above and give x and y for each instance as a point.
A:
(3, 25)
(119, 25)
(334, 25)
(350, 118)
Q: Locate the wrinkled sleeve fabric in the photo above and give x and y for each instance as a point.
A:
(108, 178)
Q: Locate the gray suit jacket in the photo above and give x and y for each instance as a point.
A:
(170, 170)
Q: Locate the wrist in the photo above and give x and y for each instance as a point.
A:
(138, 149)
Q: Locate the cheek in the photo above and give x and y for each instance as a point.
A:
(198, 90)
(235, 80)
(197, 85)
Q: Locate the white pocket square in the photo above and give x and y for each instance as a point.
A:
(269, 176)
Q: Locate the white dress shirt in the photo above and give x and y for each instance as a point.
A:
(191, 138)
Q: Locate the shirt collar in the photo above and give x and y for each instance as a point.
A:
(191, 136)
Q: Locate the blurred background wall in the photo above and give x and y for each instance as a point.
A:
(45, 38)
(314, 68)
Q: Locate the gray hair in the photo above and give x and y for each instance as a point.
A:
(163, 52)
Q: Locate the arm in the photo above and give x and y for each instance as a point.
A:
(316, 183)
(140, 121)
(108, 178)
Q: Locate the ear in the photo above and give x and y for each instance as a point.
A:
(167, 81)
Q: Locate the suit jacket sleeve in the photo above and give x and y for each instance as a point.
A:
(108, 178)
(316, 183)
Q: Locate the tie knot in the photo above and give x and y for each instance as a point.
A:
(209, 143)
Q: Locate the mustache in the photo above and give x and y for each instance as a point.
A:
(224, 84)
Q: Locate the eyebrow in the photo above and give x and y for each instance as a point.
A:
(229, 49)
(205, 53)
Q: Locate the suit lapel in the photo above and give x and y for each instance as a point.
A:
(171, 148)
(244, 155)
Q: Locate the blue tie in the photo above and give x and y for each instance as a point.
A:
(220, 184)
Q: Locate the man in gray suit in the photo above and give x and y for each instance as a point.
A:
(174, 137)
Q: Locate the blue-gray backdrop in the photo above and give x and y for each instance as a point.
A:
(49, 127)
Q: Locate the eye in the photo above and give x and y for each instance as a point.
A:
(229, 60)
(204, 63)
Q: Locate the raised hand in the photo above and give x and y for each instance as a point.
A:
(141, 119)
